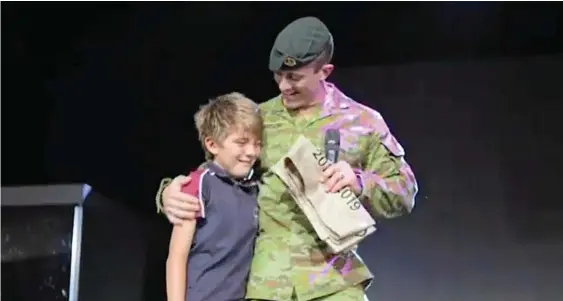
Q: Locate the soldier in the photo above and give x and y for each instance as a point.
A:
(290, 262)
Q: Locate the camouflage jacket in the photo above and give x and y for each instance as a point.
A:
(289, 258)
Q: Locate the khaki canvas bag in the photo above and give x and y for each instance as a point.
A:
(339, 219)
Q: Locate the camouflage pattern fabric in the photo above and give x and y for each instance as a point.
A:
(355, 293)
(289, 258)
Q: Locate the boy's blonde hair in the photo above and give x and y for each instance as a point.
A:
(226, 113)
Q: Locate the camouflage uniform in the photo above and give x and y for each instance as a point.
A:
(290, 262)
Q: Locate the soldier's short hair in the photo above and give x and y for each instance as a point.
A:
(227, 113)
(324, 58)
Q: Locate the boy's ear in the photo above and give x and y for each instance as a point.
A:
(211, 146)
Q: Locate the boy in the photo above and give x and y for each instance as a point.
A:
(216, 248)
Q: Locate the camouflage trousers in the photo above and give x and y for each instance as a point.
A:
(355, 293)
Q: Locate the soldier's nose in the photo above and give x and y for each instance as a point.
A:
(284, 86)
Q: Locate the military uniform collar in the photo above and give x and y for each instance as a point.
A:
(334, 101)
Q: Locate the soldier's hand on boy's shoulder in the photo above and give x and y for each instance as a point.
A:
(177, 205)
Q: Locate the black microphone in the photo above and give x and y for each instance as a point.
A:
(332, 145)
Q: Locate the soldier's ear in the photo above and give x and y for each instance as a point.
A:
(326, 71)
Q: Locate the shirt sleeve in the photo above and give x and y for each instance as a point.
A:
(389, 186)
(163, 184)
(197, 189)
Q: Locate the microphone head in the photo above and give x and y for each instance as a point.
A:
(332, 137)
(332, 145)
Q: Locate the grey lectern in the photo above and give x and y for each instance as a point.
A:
(71, 195)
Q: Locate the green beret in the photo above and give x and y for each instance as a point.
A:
(300, 43)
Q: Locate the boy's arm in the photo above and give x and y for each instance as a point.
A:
(176, 265)
(180, 243)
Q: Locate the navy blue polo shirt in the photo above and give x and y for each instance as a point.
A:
(223, 244)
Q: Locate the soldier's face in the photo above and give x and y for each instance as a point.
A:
(237, 153)
(301, 87)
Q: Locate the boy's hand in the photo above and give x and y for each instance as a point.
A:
(179, 206)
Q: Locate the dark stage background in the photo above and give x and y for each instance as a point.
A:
(104, 93)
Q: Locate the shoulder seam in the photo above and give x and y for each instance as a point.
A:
(200, 190)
